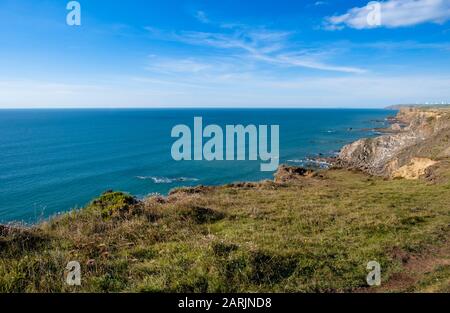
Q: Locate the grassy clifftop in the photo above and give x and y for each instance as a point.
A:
(303, 232)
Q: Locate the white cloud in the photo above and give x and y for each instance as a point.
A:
(250, 40)
(393, 13)
(202, 17)
(258, 45)
(315, 64)
(168, 65)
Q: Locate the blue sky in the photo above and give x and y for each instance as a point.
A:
(224, 53)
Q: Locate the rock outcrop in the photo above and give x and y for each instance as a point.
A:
(287, 173)
(420, 143)
(415, 169)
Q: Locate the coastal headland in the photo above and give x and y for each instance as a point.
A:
(385, 199)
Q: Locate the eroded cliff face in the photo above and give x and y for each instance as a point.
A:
(420, 138)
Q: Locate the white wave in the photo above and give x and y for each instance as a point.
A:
(167, 180)
(296, 161)
(311, 163)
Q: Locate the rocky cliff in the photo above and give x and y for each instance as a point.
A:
(418, 140)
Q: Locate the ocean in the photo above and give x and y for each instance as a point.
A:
(52, 161)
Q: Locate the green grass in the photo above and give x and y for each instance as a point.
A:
(308, 235)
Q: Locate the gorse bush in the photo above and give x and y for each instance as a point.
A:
(114, 204)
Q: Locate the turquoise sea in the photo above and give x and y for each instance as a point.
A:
(54, 160)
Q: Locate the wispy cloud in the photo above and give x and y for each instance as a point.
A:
(203, 73)
(249, 39)
(393, 13)
(407, 45)
(202, 17)
(169, 65)
(294, 60)
(257, 44)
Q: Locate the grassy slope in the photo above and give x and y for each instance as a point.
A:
(310, 234)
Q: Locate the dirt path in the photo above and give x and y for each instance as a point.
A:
(428, 272)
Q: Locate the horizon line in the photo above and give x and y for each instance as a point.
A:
(193, 107)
